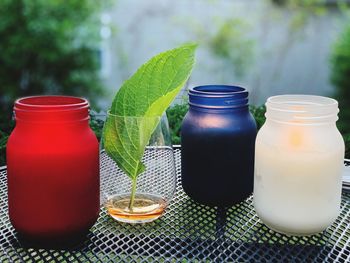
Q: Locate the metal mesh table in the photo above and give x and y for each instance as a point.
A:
(188, 232)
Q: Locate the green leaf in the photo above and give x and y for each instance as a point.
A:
(139, 104)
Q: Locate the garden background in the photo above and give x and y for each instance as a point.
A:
(88, 48)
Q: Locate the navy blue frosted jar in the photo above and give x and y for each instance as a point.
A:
(218, 138)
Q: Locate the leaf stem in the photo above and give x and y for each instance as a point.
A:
(133, 192)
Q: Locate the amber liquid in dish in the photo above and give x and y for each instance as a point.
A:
(146, 208)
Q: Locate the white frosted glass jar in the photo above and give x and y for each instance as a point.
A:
(299, 159)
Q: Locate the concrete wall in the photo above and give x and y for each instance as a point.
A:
(284, 59)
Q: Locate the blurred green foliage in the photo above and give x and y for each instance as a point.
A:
(232, 44)
(97, 121)
(3, 141)
(302, 10)
(258, 113)
(340, 76)
(48, 47)
(347, 146)
(175, 115)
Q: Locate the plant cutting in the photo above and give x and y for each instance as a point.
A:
(138, 106)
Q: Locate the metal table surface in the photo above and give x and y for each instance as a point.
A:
(188, 232)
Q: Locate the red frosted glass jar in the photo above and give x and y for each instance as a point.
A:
(53, 169)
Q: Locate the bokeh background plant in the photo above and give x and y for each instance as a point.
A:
(88, 48)
(340, 61)
(48, 47)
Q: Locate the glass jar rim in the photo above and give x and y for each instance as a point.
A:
(50, 103)
(286, 102)
(302, 109)
(218, 97)
(219, 90)
(51, 109)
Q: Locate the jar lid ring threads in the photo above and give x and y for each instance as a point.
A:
(219, 97)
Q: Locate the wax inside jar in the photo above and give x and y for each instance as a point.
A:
(298, 189)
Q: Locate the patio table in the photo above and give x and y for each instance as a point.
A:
(188, 232)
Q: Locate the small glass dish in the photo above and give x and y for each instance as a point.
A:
(145, 199)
